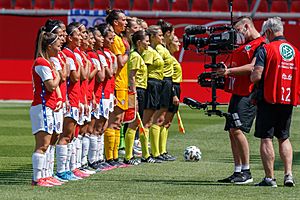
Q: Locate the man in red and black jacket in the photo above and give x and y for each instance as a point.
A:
(242, 112)
(276, 74)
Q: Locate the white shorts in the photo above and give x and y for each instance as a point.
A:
(95, 113)
(64, 108)
(104, 110)
(111, 102)
(82, 117)
(89, 117)
(58, 121)
(74, 114)
(42, 119)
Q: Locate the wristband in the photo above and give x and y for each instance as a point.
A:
(59, 99)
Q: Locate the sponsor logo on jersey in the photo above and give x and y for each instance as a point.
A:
(248, 47)
(287, 52)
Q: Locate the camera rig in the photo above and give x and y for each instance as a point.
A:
(220, 40)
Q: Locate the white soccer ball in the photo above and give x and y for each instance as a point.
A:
(192, 153)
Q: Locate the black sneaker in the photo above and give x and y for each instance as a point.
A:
(120, 164)
(93, 165)
(265, 182)
(131, 161)
(106, 166)
(168, 157)
(289, 181)
(160, 158)
(230, 178)
(150, 160)
(243, 178)
(112, 163)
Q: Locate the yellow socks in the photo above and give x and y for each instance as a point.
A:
(129, 140)
(163, 140)
(117, 143)
(154, 139)
(144, 143)
(109, 143)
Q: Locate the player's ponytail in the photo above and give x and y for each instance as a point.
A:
(44, 39)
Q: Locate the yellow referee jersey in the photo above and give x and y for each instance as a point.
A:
(154, 62)
(177, 75)
(168, 61)
(136, 62)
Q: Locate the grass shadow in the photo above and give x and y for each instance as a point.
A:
(187, 182)
(20, 176)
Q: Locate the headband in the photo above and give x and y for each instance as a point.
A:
(54, 40)
(73, 31)
(55, 27)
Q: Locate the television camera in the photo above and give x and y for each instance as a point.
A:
(220, 40)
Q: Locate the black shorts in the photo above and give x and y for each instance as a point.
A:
(152, 97)
(172, 108)
(273, 120)
(141, 92)
(242, 113)
(166, 93)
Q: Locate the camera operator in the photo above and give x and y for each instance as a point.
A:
(241, 111)
(276, 74)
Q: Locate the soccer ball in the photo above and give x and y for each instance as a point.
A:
(192, 153)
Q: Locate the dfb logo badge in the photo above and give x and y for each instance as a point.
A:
(287, 52)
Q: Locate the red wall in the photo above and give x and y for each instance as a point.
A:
(17, 40)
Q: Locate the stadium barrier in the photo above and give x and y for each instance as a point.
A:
(19, 29)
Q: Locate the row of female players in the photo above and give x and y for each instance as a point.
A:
(80, 79)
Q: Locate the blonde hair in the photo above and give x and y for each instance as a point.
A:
(44, 39)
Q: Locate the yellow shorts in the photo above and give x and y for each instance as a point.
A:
(122, 99)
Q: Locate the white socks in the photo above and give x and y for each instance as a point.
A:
(78, 143)
(52, 157)
(38, 161)
(46, 164)
(73, 154)
(85, 150)
(61, 157)
(93, 149)
(237, 168)
(245, 167)
(100, 146)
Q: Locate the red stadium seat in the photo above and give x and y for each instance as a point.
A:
(279, 6)
(141, 5)
(101, 4)
(160, 5)
(220, 5)
(23, 4)
(82, 4)
(240, 6)
(180, 5)
(122, 4)
(42, 4)
(295, 6)
(263, 6)
(6, 4)
(62, 4)
(200, 5)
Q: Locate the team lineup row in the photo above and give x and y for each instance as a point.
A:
(87, 82)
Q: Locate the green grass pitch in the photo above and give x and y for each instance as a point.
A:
(172, 180)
